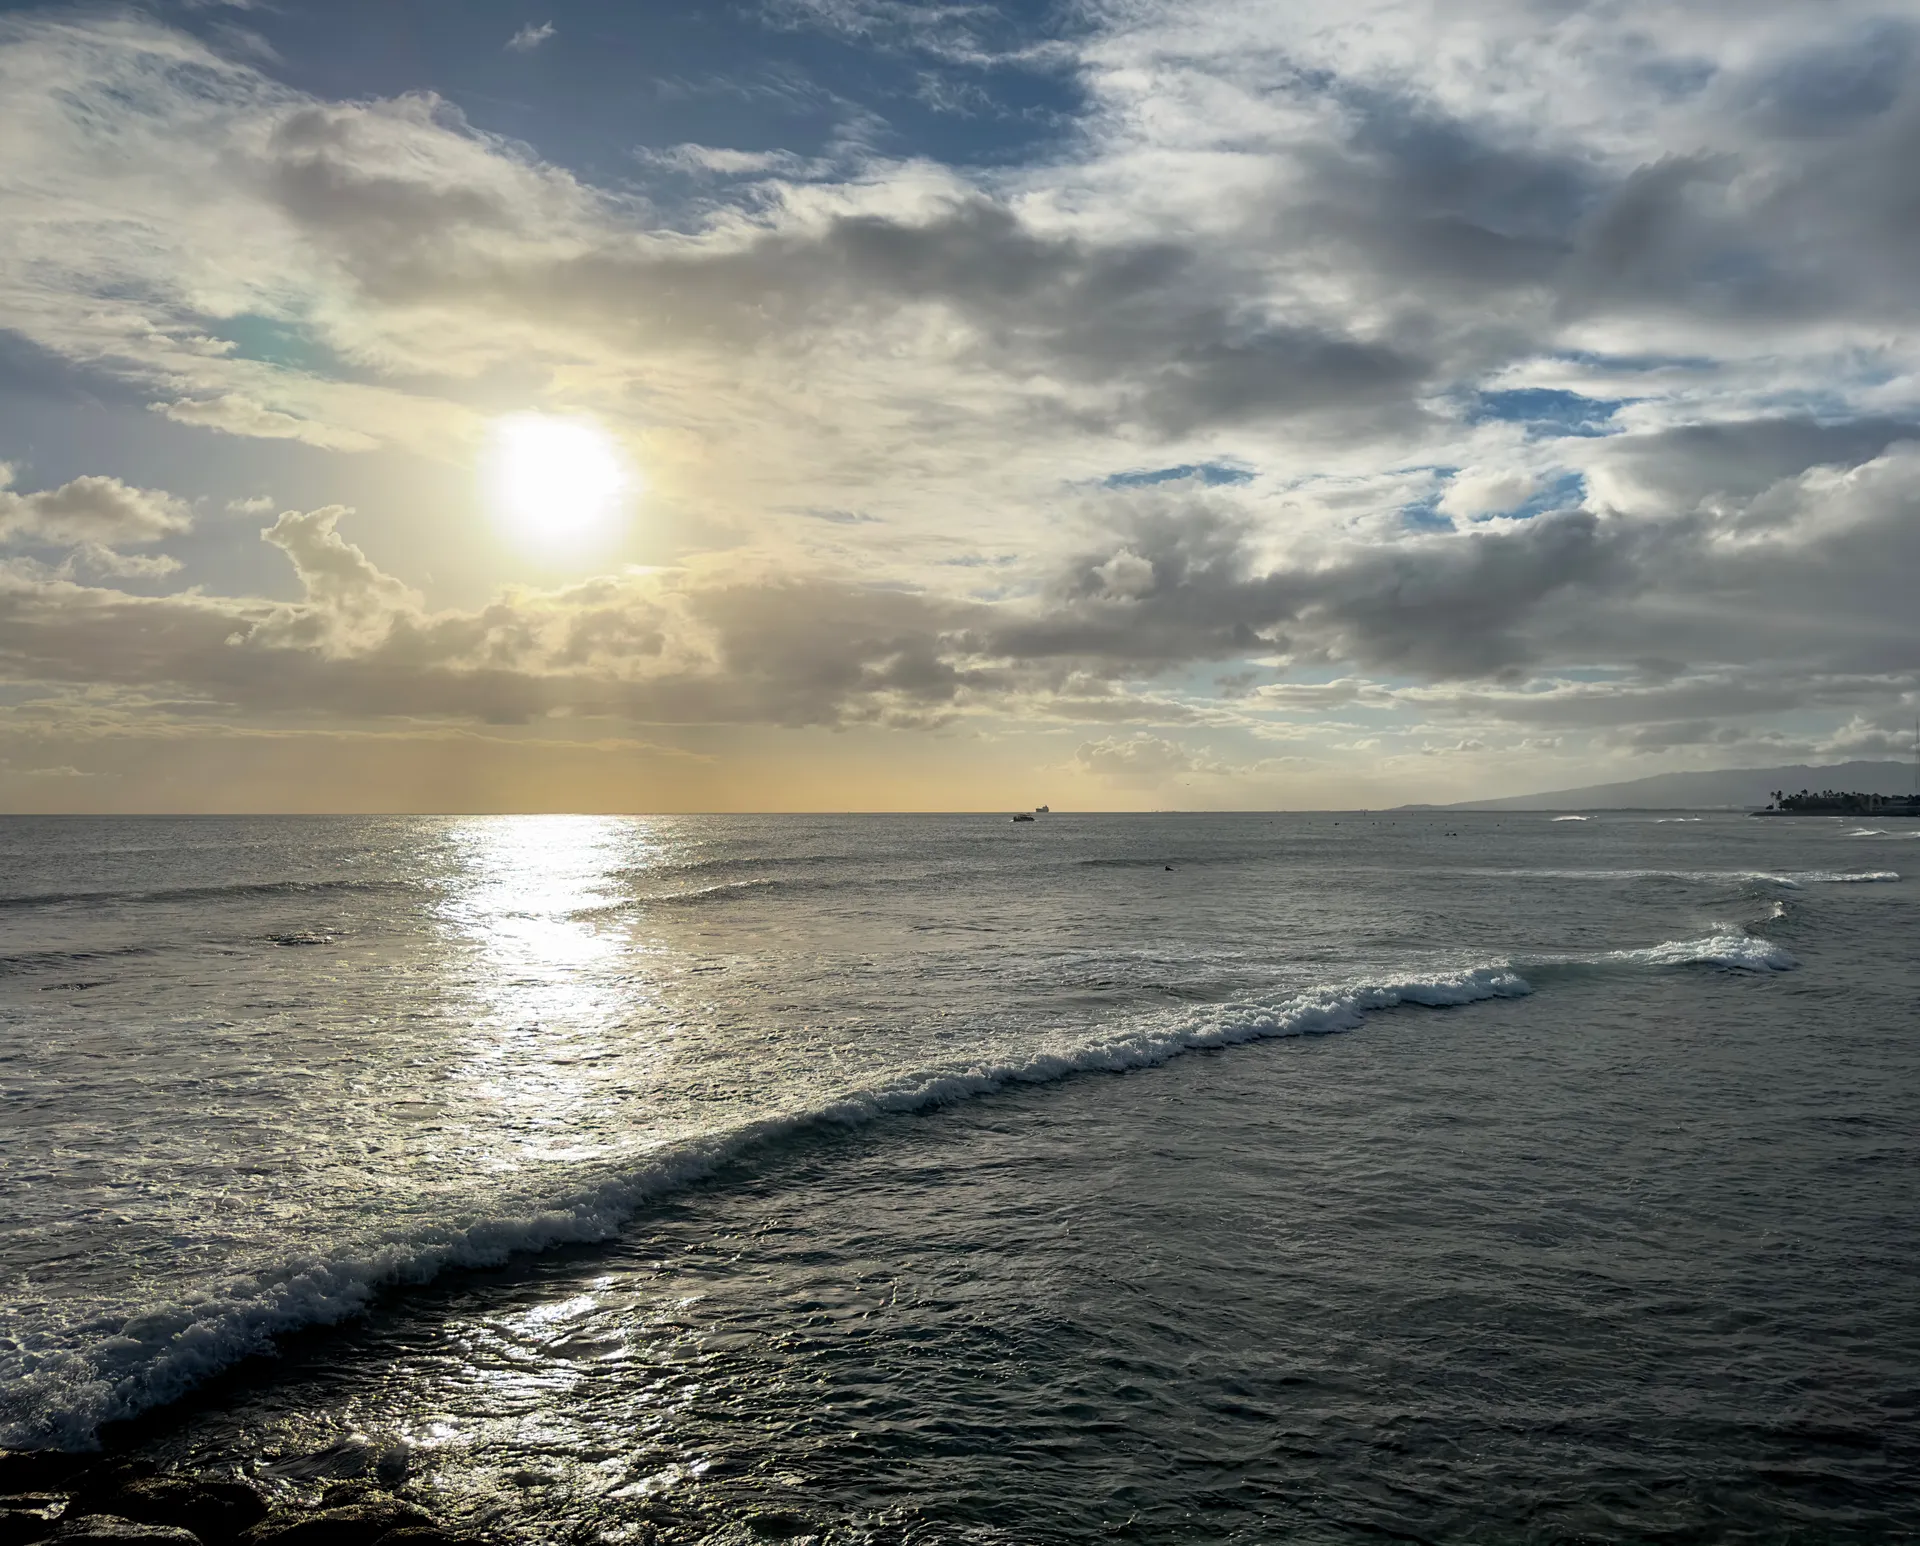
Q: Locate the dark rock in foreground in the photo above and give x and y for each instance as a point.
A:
(356, 1524)
(109, 1527)
(40, 1470)
(216, 1512)
(29, 1517)
(56, 1498)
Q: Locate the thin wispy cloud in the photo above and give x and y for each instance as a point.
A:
(530, 37)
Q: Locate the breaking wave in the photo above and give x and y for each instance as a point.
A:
(1793, 880)
(1833, 878)
(1730, 947)
(60, 1397)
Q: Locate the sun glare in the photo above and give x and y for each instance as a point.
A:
(560, 485)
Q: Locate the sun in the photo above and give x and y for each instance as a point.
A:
(559, 485)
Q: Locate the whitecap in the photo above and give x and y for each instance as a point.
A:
(1727, 947)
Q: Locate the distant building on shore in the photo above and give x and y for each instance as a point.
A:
(1835, 802)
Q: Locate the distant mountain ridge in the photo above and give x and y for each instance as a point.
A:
(1737, 788)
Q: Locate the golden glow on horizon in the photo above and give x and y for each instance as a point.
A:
(560, 485)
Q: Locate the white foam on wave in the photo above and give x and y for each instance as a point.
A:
(1792, 881)
(1573, 818)
(1727, 947)
(60, 1396)
(1835, 878)
(1676, 821)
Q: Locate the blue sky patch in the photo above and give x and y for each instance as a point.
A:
(1562, 491)
(1212, 474)
(274, 342)
(1426, 514)
(961, 85)
(1549, 413)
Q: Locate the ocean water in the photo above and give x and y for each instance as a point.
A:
(1412, 1176)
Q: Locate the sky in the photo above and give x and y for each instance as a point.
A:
(868, 405)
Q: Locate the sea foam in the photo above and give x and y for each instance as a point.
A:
(1729, 947)
(1834, 878)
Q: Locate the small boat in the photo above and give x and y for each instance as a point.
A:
(1022, 816)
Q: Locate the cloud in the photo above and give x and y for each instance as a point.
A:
(373, 218)
(1864, 737)
(1467, 621)
(1442, 607)
(98, 562)
(719, 161)
(93, 510)
(234, 414)
(1479, 491)
(1126, 576)
(1140, 759)
(350, 602)
(1380, 262)
(530, 37)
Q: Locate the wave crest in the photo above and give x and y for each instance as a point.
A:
(1735, 948)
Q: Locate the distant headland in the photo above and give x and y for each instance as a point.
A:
(1748, 789)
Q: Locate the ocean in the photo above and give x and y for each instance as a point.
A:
(1415, 1176)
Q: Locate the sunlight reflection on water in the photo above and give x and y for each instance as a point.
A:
(565, 1026)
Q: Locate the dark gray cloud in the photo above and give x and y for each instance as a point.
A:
(1676, 469)
(1141, 320)
(1442, 608)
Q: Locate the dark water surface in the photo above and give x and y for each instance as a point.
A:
(1628, 1258)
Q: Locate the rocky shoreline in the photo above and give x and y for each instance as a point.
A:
(53, 1497)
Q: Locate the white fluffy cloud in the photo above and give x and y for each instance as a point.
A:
(1479, 491)
(100, 511)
